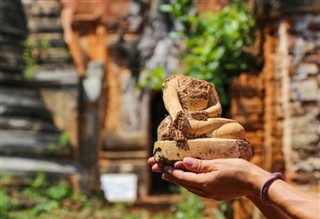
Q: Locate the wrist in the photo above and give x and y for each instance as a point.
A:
(256, 179)
(265, 187)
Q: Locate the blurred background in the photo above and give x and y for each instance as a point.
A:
(81, 99)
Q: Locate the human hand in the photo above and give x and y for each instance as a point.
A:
(219, 179)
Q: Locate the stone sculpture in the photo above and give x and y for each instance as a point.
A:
(194, 126)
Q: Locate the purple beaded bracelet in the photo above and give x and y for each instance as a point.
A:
(264, 190)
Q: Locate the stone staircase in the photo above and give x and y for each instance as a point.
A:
(31, 139)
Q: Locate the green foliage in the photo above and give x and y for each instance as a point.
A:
(29, 59)
(224, 210)
(42, 196)
(6, 204)
(39, 182)
(190, 208)
(43, 208)
(64, 139)
(65, 53)
(63, 143)
(59, 191)
(216, 43)
(123, 211)
(154, 80)
(45, 44)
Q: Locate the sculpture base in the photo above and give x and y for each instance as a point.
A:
(168, 152)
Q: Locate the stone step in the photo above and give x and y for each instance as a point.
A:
(51, 55)
(42, 40)
(12, 19)
(19, 91)
(48, 8)
(44, 25)
(20, 167)
(11, 77)
(19, 99)
(26, 123)
(58, 76)
(12, 58)
(31, 143)
(33, 112)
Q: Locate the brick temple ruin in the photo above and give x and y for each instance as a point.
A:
(112, 129)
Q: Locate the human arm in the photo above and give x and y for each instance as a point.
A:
(293, 202)
(224, 179)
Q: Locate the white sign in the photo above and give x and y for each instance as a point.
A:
(119, 187)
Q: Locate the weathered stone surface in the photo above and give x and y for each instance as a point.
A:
(25, 123)
(11, 57)
(308, 68)
(49, 8)
(312, 164)
(302, 47)
(305, 141)
(12, 20)
(44, 24)
(27, 127)
(32, 143)
(12, 165)
(167, 152)
(312, 58)
(307, 90)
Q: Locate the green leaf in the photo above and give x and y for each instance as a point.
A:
(64, 139)
(167, 8)
(59, 191)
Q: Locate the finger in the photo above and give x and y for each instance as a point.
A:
(179, 165)
(151, 161)
(190, 188)
(157, 168)
(183, 177)
(198, 166)
(168, 177)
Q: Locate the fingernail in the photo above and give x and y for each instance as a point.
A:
(167, 168)
(189, 162)
(165, 177)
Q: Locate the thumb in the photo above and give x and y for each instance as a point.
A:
(196, 165)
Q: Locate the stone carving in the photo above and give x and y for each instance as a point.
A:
(194, 126)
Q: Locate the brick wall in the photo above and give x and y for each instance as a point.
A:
(291, 95)
(302, 141)
(279, 107)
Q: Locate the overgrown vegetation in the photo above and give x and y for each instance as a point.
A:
(29, 59)
(39, 198)
(216, 43)
(190, 207)
(33, 50)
